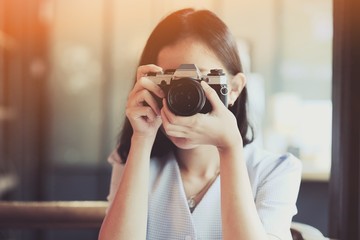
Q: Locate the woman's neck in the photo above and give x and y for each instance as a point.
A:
(202, 161)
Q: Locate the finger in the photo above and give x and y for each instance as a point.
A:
(177, 134)
(144, 97)
(143, 112)
(178, 120)
(145, 69)
(211, 95)
(169, 127)
(146, 83)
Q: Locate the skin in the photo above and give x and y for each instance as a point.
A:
(205, 142)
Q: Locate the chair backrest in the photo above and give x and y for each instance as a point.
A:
(52, 214)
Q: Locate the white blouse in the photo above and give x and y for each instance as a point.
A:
(275, 181)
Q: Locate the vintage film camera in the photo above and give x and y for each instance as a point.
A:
(184, 94)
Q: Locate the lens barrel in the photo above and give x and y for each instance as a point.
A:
(186, 97)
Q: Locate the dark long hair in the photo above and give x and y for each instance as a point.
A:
(207, 28)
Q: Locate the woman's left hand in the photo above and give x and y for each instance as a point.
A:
(218, 128)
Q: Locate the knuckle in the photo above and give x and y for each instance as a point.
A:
(143, 92)
(148, 111)
(128, 112)
(139, 73)
(130, 102)
(141, 80)
(166, 126)
(146, 93)
(140, 96)
(172, 119)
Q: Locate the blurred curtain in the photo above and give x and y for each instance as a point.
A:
(345, 179)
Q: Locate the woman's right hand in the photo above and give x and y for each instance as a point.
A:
(142, 109)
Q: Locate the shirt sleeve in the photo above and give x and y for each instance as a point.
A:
(116, 174)
(277, 194)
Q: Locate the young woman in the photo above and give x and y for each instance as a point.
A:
(196, 177)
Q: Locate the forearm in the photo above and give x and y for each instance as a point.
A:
(239, 216)
(127, 216)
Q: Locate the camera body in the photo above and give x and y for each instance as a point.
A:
(183, 92)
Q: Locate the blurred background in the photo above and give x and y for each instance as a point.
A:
(66, 67)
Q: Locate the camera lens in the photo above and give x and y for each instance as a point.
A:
(186, 97)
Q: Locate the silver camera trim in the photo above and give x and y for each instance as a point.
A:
(191, 71)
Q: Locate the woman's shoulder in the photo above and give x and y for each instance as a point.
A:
(265, 163)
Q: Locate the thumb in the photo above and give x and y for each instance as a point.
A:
(211, 95)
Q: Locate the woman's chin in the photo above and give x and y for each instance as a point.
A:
(182, 143)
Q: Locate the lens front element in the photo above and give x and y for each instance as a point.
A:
(186, 97)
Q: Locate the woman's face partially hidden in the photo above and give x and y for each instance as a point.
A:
(187, 51)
